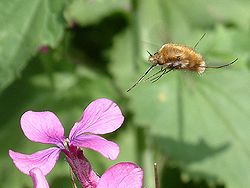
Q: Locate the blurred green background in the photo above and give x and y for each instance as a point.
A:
(59, 55)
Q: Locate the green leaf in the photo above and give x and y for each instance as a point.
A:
(26, 26)
(199, 123)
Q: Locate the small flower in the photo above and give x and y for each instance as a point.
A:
(100, 117)
(121, 175)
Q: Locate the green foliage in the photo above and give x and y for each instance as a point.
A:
(26, 27)
(196, 127)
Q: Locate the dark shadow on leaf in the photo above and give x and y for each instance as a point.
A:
(171, 176)
(94, 40)
(186, 153)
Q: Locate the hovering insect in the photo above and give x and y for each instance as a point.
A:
(176, 57)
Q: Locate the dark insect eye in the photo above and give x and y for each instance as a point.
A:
(178, 58)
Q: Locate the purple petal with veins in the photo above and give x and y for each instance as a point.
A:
(100, 117)
(43, 127)
(44, 159)
(106, 148)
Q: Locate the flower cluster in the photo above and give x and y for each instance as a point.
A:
(100, 117)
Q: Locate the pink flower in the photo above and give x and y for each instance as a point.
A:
(121, 175)
(100, 117)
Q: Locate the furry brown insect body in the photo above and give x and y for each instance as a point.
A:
(176, 57)
(180, 57)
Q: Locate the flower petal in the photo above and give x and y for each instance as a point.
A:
(44, 159)
(100, 117)
(42, 127)
(122, 175)
(106, 148)
(38, 178)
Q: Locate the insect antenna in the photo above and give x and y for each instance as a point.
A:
(140, 79)
(221, 66)
(199, 40)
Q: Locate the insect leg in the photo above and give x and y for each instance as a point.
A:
(221, 66)
(165, 71)
(199, 41)
(154, 74)
(154, 79)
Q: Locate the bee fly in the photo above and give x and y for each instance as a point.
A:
(176, 57)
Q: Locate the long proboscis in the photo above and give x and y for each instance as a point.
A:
(221, 66)
(141, 78)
